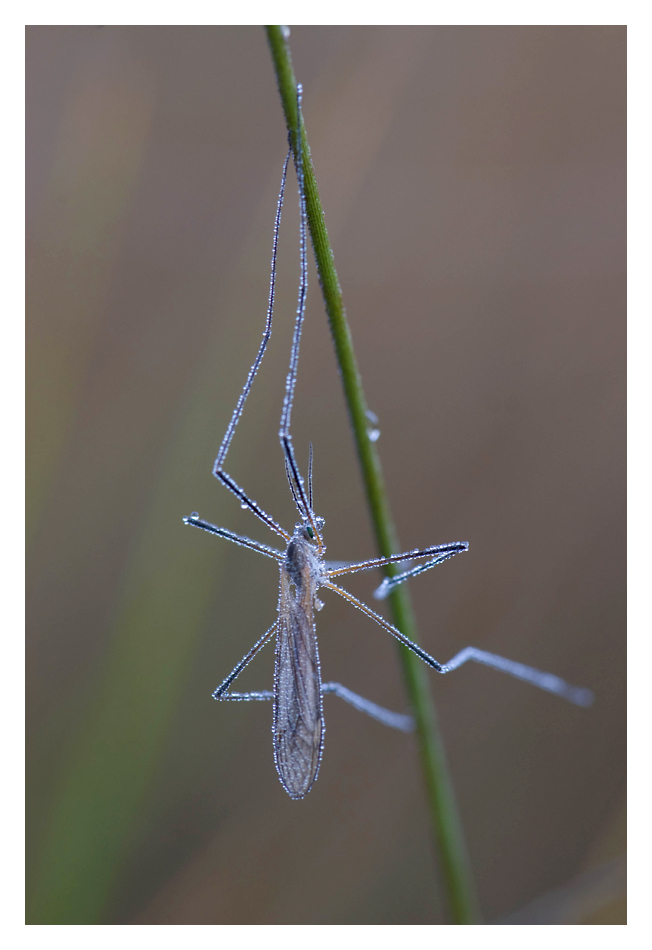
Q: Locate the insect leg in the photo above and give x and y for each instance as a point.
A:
(441, 553)
(218, 470)
(547, 681)
(230, 536)
(302, 498)
(248, 697)
(387, 626)
(246, 502)
(303, 290)
(387, 717)
(226, 441)
(220, 692)
(390, 583)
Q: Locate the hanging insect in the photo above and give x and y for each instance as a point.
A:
(298, 720)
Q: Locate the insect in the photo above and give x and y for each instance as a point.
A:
(298, 719)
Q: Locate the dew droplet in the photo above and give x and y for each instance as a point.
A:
(373, 432)
(243, 504)
(194, 514)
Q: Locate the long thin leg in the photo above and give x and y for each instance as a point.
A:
(386, 716)
(247, 697)
(291, 381)
(302, 498)
(387, 626)
(390, 583)
(235, 418)
(198, 522)
(441, 551)
(247, 502)
(220, 692)
(218, 470)
(547, 681)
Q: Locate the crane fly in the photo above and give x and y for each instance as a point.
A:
(298, 718)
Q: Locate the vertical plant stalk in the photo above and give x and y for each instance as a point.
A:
(449, 835)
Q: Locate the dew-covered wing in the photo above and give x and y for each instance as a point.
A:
(298, 722)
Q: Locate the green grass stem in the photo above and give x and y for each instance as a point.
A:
(451, 845)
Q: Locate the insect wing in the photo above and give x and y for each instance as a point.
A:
(298, 727)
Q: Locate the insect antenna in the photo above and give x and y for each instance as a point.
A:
(310, 475)
(290, 479)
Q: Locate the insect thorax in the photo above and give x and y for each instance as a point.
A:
(302, 563)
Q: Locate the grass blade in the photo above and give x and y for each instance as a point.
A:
(447, 826)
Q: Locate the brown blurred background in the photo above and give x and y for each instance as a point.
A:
(473, 181)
